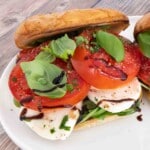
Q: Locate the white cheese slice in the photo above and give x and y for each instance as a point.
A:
(130, 91)
(49, 126)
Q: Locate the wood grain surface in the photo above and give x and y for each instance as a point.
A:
(12, 12)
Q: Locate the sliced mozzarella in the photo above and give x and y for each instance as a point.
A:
(49, 126)
(130, 91)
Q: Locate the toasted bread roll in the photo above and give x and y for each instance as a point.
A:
(47, 25)
(142, 25)
(95, 122)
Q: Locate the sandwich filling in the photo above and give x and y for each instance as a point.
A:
(144, 73)
(75, 78)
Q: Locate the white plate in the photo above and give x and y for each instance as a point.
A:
(123, 134)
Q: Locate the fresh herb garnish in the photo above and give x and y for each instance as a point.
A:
(111, 44)
(80, 40)
(40, 75)
(62, 47)
(144, 42)
(63, 123)
(94, 47)
(45, 56)
(17, 103)
(69, 87)
(52, 130)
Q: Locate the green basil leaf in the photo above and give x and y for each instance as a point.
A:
(80, 39)
(111, 44)
(144, 42)
(45, 56)
(63, 47)
(40, 75)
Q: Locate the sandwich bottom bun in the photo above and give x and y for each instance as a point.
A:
(95, 122)
(147, 93)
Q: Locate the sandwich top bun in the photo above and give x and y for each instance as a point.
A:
(46, 25)
(142, 25)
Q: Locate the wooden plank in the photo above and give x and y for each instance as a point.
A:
(130, 7)
(16, 12)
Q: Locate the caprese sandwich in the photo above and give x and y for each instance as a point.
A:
(142, 36)
(74, 71)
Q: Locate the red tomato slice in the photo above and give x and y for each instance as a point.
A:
(144, 73)
(102, 71)
(19, 87)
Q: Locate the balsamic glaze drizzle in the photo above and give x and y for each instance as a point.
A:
(59, 78)
(114, 101)
(24, 117)
(120, 74)
(26, 100)
(49, 90)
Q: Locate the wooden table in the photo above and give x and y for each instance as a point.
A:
(12, 12)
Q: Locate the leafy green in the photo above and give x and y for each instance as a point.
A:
(52, 130)
(69, 87)
(63, 47)
(131, 110)
(80, 39)
(111, 44)
(16, 103)
(91, 110)
(144, 42)
(45, 56)
(63, 123)
(40, 75)
(93, 114)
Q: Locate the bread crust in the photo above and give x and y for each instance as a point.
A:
(142, 25)
(95, 122)
(46, 25)
(147, 93)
